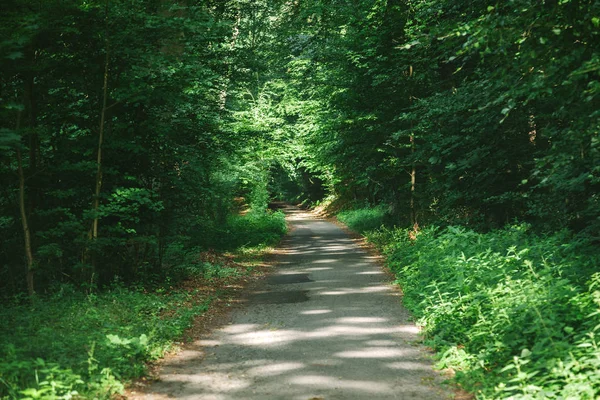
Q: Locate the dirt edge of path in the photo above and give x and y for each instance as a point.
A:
(232, 297)
(228, 297)
(373, 251)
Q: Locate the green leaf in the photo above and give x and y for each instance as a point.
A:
(8, 138)
(15, 55)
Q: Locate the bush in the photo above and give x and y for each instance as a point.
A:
(88, 345)
(74, 345)
(515, 314)
(249, 230)
(365, 219)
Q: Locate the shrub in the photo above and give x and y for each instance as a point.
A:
(87, 345)
(365, 219)
(515, 314)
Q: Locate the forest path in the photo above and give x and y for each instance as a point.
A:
(325, 325)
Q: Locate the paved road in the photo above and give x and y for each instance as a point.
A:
(324, 326)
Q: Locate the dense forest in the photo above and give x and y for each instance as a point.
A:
(133, 132)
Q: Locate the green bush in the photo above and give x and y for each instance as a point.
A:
(75, 345)
(365, 219)
(249, 230)
(87, 345)
(515, 314)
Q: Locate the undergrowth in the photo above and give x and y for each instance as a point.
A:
(515, 315)
(73, 345)
(364, 219)
(252, 229)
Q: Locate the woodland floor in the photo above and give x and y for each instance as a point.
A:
(325, 325)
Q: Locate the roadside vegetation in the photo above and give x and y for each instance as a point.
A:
(512, 313)
(73, 344)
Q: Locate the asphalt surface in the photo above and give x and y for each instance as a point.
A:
(324, 326)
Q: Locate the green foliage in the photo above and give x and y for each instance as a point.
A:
(494, 107)
(249, 230)
(212, 272)
(74, 345)
(492, 110)
(365, 219)
(189, 125)
(515, 314)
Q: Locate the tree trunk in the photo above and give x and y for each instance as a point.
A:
(413, 181)
(96, 202)
(24, 219)
(413, 170)
(93, 232)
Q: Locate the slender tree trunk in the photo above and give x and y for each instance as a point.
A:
(93, 232)
(24, 219)
(413, 169)
(98, 189)
(413, 181)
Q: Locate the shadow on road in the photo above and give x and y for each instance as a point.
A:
(324, 326)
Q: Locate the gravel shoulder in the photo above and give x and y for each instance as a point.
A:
(325, 325)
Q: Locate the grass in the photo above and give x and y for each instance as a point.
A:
(72, 345)
(514, 314)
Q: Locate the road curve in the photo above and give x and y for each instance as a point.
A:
(325, 325)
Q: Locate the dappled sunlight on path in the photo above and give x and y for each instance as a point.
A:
(324, 326)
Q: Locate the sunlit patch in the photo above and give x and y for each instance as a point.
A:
(370, 273)
(187, 356)
(275, 369)
(318, 269)
(240, 328)
(266, 337)
(345, 291)
(335, 247)
(315, 312)
(409, 329)
(374, 352)
(409, 366)
(361, 320)
(336, 383)
(324, 261)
